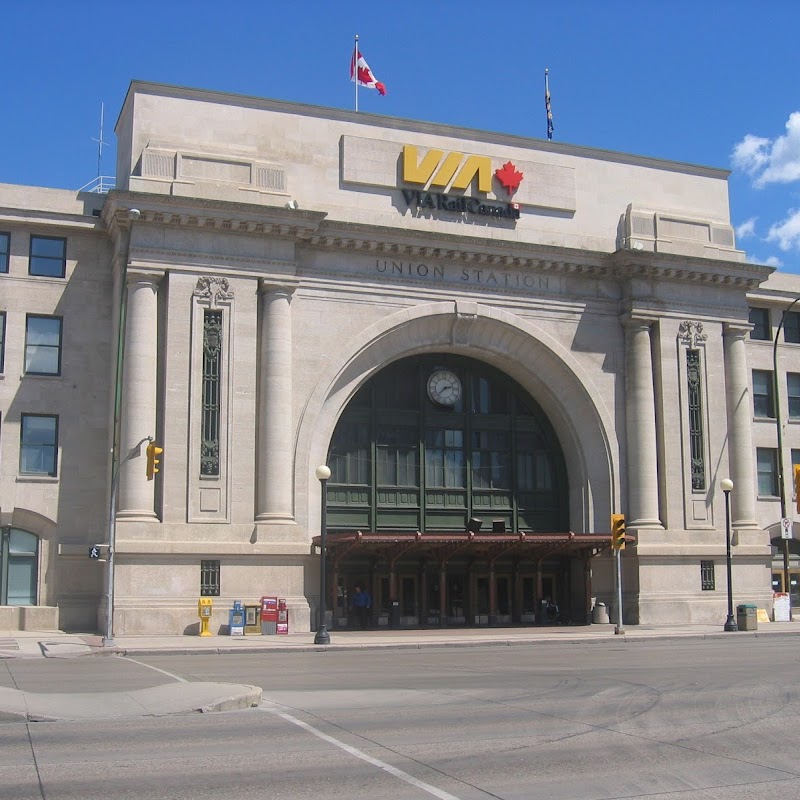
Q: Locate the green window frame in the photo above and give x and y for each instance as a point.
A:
(400, 461)
(19, 567)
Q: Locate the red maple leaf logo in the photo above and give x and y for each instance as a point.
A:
(509, 177)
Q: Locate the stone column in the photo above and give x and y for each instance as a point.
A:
(139, 397)
(640, 424)
(275, 424)
(741, 455)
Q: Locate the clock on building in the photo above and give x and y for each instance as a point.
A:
(444, 387)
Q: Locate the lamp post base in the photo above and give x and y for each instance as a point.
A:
(730, 624)
(322, 636)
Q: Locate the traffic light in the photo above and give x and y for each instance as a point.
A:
(618, 531)
(153, 460)
(797, 484)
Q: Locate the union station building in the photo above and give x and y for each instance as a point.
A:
(493, 342)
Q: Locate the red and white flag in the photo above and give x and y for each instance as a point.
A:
(365, 76)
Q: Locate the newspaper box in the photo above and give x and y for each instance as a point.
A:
(283, 616)
(236, 619)
(269, 616)
(252, 619)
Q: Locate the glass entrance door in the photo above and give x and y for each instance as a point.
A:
(409, 604)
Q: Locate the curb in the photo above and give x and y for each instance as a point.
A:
(627, 638)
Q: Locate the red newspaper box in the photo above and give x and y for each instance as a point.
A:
(283, 617)
(269, 615)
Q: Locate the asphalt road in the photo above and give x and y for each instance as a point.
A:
(684, 720)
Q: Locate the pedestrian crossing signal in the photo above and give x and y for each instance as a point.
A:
(618, 531)
(153, 460)
(94, 552)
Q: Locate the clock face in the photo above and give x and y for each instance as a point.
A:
(444, 387)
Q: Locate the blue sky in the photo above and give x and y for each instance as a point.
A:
(706, 82)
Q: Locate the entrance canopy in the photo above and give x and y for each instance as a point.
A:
(443, 546)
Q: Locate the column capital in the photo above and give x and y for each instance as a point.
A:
(284, 286)
(736, 330)
(140, 275)
(636, 321)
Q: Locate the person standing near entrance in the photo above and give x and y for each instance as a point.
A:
(361, 604)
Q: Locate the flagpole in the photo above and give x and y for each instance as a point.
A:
(355, 68)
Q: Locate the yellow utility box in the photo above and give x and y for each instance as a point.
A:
(204, 606)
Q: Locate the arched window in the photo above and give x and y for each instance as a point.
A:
(432, 441)
(19, 567)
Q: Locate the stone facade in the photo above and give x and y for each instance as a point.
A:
(323, 245)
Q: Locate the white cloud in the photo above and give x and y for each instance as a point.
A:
(787, 233)
(771, 160)
(773, 261)
(747, 228)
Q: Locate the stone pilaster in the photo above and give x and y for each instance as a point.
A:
(640, 421)
(139, 394)
(275, 424)
(741, 454)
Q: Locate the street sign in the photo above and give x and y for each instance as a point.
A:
(786, 528)
(94, 552)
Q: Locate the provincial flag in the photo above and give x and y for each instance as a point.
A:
(365, 76)
(547, 108)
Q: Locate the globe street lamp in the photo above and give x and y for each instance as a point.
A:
(323, 473)
(726, 484)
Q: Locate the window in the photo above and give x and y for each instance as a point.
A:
(793, 389)
(759, 319)
(4, 248)
(209, 579)
(400, 461)
(19, 559)
(48, 256)
(763, 399)
(707, 582)
(693, 378)
(38, 445)
(791, 327)
(767, 463)
(42, 345)
(2, 340)
(212, 372)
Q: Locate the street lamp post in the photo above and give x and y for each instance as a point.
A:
(726, 484)
(781, 478)
(323, 473)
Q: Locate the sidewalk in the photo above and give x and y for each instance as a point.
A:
(55, 644)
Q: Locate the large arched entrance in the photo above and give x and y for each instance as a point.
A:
(449, 502)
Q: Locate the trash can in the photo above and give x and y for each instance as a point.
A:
(747, 617)
(600, 614)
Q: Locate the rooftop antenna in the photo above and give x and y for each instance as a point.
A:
(100, 144)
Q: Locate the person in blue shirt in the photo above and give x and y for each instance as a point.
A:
(361, 604)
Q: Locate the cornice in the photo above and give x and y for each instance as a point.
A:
(211, 215)
(312, 231)
(475, 251)
(666, 266)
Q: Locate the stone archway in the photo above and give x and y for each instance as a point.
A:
(525, 351)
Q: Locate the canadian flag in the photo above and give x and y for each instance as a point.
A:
(365, 76)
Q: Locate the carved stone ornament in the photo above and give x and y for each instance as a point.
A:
(691, 333)
(461, 327)
(213, 289)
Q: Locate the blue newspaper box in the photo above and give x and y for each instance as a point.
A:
(236, 619)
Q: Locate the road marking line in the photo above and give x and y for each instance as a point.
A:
(353, 751)
(157, 669)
